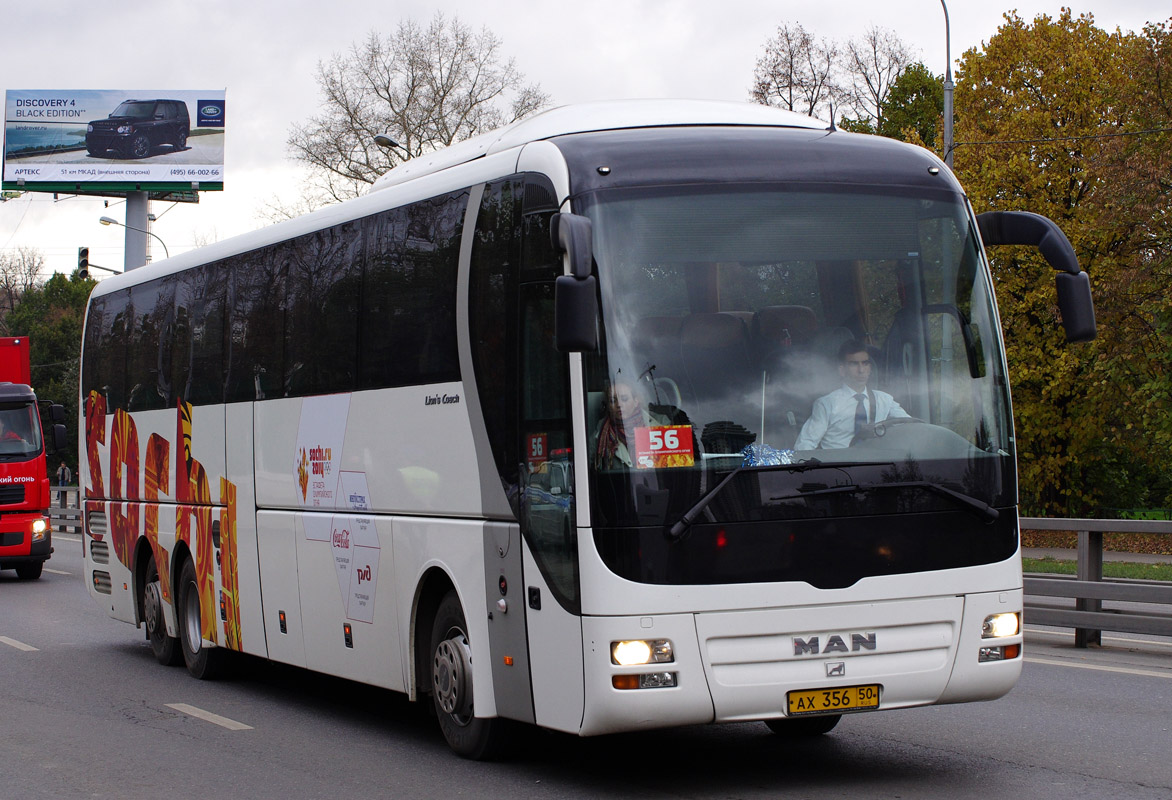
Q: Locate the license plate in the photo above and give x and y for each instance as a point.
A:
(833, 701)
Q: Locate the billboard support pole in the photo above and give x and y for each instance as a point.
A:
(136, 225)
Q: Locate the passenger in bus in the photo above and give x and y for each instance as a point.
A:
(838, 417)
(614, 437)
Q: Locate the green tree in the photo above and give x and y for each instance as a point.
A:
(1049, 117)
(914, 107)
(51, 316)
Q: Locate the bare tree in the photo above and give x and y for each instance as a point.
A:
(872, 64)
(20, 271)
(424, 87)
(796, 72)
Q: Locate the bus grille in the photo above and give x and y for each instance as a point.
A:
(100, 552)
(102, 582)
(11, 495)
(95, 522)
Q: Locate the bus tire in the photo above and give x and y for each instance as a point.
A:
(164, 646)
(451, 686)
(204, 663)
(803, 727)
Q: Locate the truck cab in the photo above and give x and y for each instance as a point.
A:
(26, 539)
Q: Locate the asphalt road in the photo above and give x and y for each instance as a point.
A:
(89, 714)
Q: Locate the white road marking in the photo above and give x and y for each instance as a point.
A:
(56, 571)
(208, 716)
(1145, 672)
(28, 648)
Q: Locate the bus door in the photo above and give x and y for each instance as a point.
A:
(547, 514)
(522, 382)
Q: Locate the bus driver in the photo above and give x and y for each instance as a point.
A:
(839, 416)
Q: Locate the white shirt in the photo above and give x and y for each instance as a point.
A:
(832, 422)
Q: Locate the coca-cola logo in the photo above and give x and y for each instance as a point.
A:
(341, 538)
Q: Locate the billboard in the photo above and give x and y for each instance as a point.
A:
(105, 141)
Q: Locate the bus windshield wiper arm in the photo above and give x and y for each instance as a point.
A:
(685, 522)
(979, 507)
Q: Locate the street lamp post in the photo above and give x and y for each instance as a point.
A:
(948, 144)
(112, 221)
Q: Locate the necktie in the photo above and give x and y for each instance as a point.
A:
(860, 412)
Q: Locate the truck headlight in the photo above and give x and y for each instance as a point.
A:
(641, 651)
(126, 129)
(39, 529)
(998, 625)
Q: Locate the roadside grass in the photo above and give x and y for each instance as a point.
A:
(1111, 569)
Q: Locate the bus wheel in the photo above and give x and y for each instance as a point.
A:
(202, 662)
(802, 727)
(165, 648)
(451, 684)
(30, 572)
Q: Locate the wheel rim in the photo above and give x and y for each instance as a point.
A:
(191, 624)
(450, 677)
(153, 608)
(141, 146)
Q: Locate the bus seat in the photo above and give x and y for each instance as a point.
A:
(655, 342)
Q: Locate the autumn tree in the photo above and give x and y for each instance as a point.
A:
(1052, 118)
(425, 87)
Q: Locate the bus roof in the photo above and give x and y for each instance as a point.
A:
(599, 116)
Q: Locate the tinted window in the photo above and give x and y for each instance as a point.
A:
(198, 348)
(492, 311)
(256, 309)
(149, 359)
(408, 318)
(321, 334)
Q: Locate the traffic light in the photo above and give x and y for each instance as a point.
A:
(83, 262)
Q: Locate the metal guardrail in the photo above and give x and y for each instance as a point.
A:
(1088, 617)
(65, 513)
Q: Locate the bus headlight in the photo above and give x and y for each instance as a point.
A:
(641, 651)
(998, 625)
(39, 528)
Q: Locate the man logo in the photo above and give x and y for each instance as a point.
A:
(835, 669)
(834, 644)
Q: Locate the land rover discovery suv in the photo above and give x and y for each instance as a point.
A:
(137, 127)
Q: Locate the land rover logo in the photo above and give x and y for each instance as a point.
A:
(210, 111)
(834, 644)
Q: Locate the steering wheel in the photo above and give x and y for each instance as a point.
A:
(877, 430)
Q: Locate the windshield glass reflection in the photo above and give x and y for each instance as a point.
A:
(751, 327)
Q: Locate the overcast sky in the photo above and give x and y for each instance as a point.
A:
(264, 53)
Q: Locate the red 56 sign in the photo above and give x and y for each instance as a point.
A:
(661, 446)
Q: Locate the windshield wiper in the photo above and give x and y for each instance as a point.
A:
(978, 507)
(685, 522)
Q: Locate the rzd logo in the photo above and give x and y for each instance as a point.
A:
(363, 574)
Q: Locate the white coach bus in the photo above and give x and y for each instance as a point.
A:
(516, 431)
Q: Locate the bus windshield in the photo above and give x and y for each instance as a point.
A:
(20, 431)
(731, 316)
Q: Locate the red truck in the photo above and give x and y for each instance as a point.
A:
(26, 540)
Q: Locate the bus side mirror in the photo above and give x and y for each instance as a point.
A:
(571, 234)
(1073, 285)
(575, 294)
(59, 442)
(576, 309)
(57, 413)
